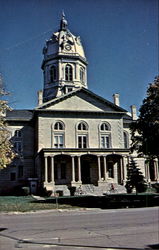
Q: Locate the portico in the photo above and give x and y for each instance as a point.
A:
(76, 168)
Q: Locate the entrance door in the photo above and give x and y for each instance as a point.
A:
(85, 172)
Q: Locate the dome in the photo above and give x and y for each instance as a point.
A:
(64, 43)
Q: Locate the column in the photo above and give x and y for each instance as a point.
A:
(105, 168)
(46, 170)
(60, 71)
(156, 169)
(99, 169)
(52, 170)
(73, 168)
(126, 163)
(79, 169)
(147, 170)
(115, 172)
(122, 169)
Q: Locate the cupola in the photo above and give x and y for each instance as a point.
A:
(64, 64)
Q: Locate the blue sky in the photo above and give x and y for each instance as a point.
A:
(120, 38)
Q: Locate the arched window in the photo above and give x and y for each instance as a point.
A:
(82, 135)
(58, 135)
(104, 126)
(53, 73)
(82, 75)
(82, 126)
(126, 140)
(18, 133)
(105, 135)
(58, 126)
(68, 73)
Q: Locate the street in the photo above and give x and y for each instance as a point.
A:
(80, 229)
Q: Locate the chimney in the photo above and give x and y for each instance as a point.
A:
(116, 99)
(133, 112)
(40, 97)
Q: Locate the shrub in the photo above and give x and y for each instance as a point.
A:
(135, 178)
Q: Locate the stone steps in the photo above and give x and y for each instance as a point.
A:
(99, 190)
(90, 189)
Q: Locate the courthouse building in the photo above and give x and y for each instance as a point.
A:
(73, 137)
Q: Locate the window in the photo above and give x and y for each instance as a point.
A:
(18, 133)
(58, 134)
(58, 140)
(82, 135)
(20, 171)
(58, 126)
(82, 75)
(18, 146)
(53, 73)
(82, 141)
(105, 135)
(105, 141)
(82, 126)
(12, 176)
(126, 140)
(68, 73)
(104, 126)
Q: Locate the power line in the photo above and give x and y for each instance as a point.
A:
(26, 41)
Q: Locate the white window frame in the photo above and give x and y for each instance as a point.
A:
(82, 126)
(82, 131)
(59, 123)
(58, 144)
(82, 136)
(107, 141)
(105, 125)
(69, 73)
(58, 131)
(82, 74)
(105, 131)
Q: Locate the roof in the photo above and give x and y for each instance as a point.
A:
(19, 114)
(76, 92)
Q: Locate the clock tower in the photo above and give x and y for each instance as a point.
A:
(64, 64)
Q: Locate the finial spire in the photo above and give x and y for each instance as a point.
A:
(63, 14)
(63, 24)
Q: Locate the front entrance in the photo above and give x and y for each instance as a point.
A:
(85, 172)
(89, 169)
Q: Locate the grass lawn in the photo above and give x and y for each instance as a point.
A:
(25, 204)
(28, 203)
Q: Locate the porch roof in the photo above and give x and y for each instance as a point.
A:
(81, 151)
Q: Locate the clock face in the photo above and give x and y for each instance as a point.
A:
(68, 47)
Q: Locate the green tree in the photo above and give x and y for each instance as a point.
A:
(6, 149)
(145, 130)
(135, 178)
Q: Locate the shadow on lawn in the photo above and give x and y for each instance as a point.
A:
(108, 201)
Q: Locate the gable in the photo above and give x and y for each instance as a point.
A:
(81, 100)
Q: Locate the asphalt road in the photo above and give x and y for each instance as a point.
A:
(80, 229)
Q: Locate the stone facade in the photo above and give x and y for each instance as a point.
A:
(73, 137)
